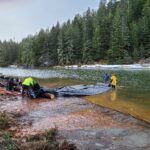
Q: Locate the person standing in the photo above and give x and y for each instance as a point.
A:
(113, 81)
(106, 78)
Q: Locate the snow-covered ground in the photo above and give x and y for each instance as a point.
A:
(111, 67)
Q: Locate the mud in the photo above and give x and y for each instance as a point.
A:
(89, 126)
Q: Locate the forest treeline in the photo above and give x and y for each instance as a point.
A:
(117, 33)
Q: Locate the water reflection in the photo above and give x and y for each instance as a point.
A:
(131, 101)
(113, 95)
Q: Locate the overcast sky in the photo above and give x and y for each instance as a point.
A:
(19, 18)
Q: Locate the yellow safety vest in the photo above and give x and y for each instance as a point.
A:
(28, 82)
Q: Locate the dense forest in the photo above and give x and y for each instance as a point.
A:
(117, 33)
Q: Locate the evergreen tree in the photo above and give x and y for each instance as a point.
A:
(60, 50)
(120, 34)
(134, 39)
(68, 44)
(103, 29)
(37, 47)
(96, 43)
(26, 52)
(49, 55)
(88, 30)
(77, 39)
(145, 30)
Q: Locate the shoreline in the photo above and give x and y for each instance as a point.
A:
(109, 67)
(135, 66)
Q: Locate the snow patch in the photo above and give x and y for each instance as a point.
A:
(110, 67)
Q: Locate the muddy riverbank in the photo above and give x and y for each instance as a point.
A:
(86, 125)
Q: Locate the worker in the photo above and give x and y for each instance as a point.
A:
(30, 87)
(113, 81)
(106, 78)
(33, 89)
(10, 83)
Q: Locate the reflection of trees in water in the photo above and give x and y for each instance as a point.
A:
(113, 95)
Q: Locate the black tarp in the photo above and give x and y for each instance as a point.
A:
(80, 90)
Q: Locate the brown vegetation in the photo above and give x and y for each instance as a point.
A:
(42, 141)
(5, 121)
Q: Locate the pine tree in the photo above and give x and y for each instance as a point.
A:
(104, 28)
(53, 45)
(26, 52)
(88, 30)
(60, 50)
(145, 29)
(120, 34)
(77, 39)
(37, 47)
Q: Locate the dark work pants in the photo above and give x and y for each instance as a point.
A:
(29, 91)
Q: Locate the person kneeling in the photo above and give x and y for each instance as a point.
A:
(30, 87)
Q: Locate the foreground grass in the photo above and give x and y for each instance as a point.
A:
(44, 141)
(5, 139)
(5, 121)
(47, 141)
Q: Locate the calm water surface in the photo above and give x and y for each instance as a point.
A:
(132, 101)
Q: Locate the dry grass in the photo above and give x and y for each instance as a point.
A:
(47, 141)
(44, 141)
(5, 121)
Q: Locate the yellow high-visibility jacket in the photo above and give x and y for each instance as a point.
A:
(113, 80)
(28, 81)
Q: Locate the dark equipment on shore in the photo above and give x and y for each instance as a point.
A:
(14, 87)
(75, 90)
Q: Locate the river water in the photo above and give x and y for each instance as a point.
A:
(130, 101)
(134, 100)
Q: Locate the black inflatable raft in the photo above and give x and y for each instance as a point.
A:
(79, 90)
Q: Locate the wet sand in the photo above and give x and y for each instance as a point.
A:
(87, 125)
